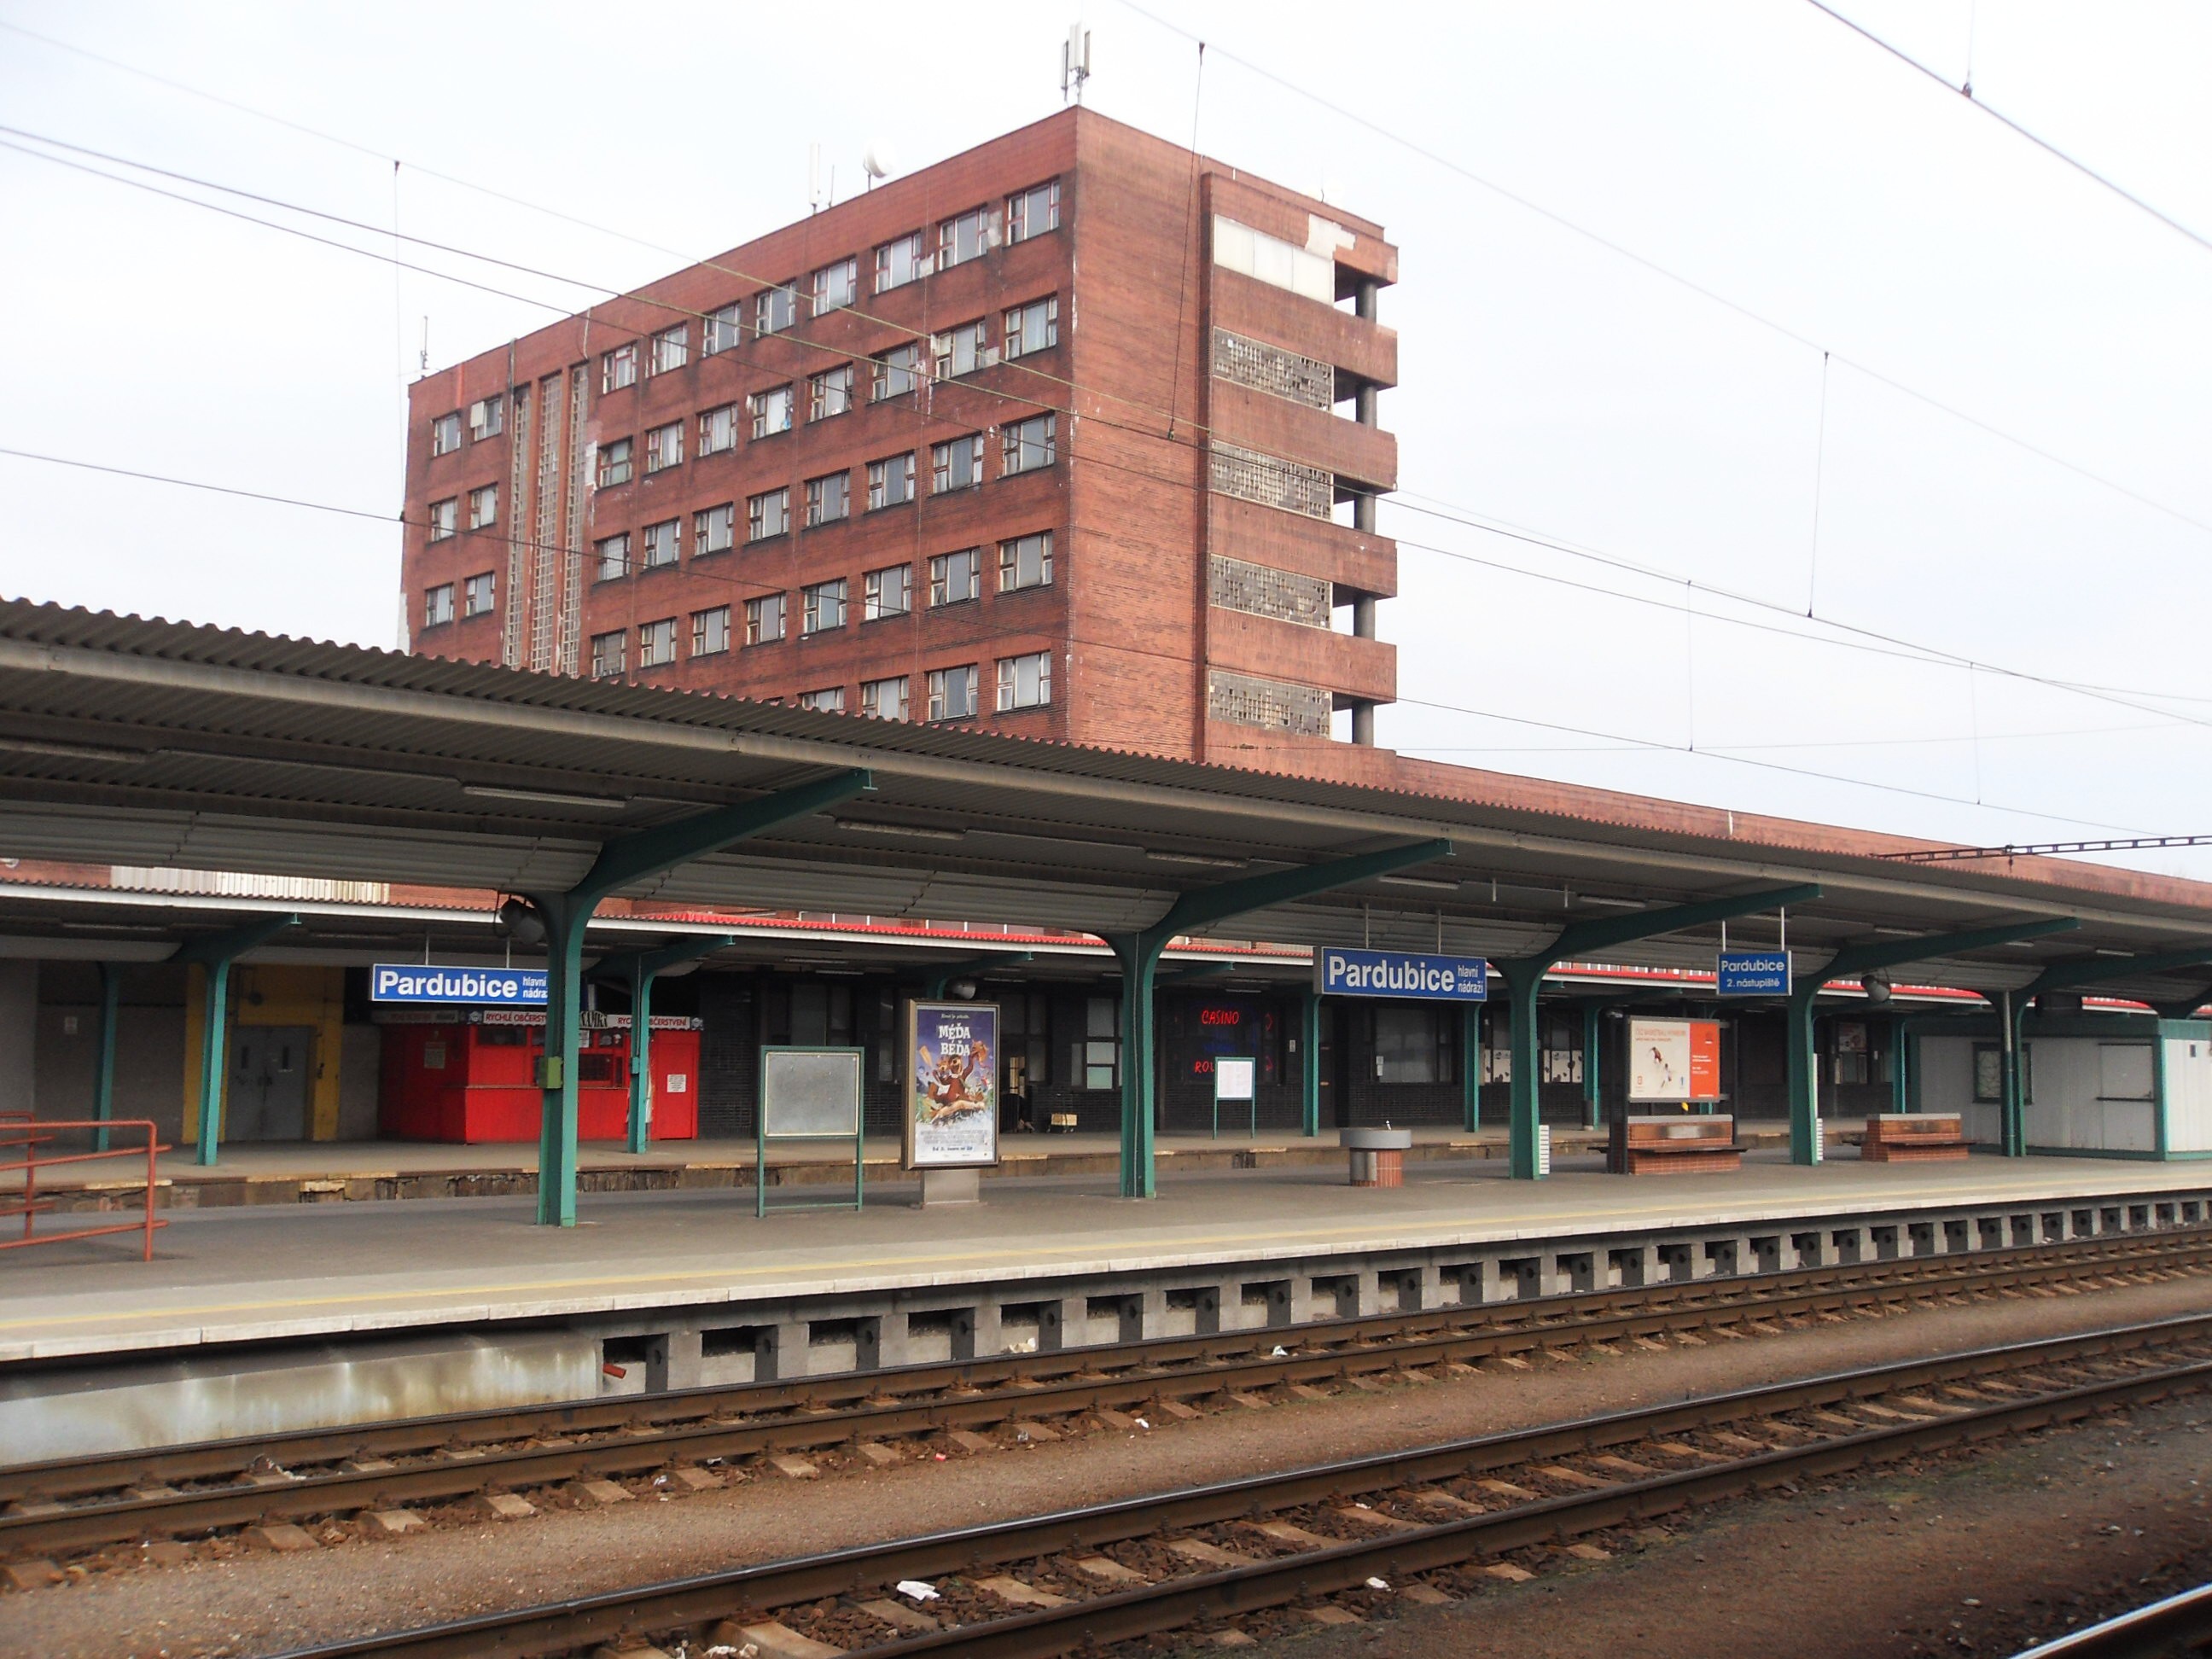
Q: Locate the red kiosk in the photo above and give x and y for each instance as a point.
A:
(464, 1075)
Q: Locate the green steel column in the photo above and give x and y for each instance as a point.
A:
(2012, 1128)
(640, 1054)
(1470, 1066)
(215, 1045)
(1900, 1095)
(1140, 959)
(1523, 981)
(1310, 1055)
(565, 925)
(1805, 1145)
(1593, 1100)
(103, 1084)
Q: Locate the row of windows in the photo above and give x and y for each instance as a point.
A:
(834, 287)
(955, 578)
(956, 465)
(1028, 328)
(1022, 682)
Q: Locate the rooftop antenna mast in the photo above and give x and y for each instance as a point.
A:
(426, 345)
(1074, 63)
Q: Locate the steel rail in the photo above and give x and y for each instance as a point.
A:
(2162, 1629)
(695, 1601)
(730, 1423)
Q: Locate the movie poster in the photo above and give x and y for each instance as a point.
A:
(953, 1085)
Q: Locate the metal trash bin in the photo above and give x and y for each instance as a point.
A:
(1379, 1156)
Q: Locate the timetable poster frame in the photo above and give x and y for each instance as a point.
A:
(950, 1113)
(791, 1119)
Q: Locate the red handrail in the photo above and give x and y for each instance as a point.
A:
(21, 1130)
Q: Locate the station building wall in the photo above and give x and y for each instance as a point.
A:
(2121, 1086)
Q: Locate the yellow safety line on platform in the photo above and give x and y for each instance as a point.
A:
(546, 1289)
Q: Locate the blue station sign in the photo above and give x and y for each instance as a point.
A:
(488, 988)
(1753, 973)
(1340, 971)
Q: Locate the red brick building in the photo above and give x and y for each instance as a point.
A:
(1072, 435)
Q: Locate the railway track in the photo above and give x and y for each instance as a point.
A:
(1425, 1525)
(696, 1437)
(2179, 1624)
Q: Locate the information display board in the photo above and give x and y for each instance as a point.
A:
(418, 982)
(810, 1094)
(1673, 1060)
(1236, 1080)
(1751, 974)
(953, 1085)
(1341, 971)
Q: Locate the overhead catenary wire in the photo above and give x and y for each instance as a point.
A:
(1633, 743)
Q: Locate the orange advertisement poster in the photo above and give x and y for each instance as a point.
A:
(1704, 1059)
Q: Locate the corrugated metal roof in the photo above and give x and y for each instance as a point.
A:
(149, 742)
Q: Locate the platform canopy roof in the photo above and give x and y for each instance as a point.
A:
(147, 743)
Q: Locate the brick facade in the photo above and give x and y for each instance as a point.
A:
(1197, 422)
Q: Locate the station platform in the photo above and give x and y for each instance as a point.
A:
(297, 1272)
(361, 1171)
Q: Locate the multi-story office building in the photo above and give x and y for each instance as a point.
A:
(1072, 435)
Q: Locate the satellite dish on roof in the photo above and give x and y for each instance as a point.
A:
(876, 161)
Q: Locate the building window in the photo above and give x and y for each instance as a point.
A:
(961, 239)
(486, 418)
(1025, 561)
(656, 644)
(771, 410)
(608, 652)
(899, 262)
(445, 434)
(821, 607)
(661, 543)
(883, 700)
(478, 594)
(829, 392)
(483, 506)
(714, 529)
(768, 515)
(952, 693)
(896, 372)
(1270, 480)
(764, 619)
(722, 330)
(718, 429)
(955, 578)
(614, 558)
(958, 464)
(672, 348)
(776, 309)
(1254, 253)
(830, 700)
(829, 499)
(664, 446)
(1098, 1058)
(961, 350)
(438, 606)
(1030, 444)
(1411, 1045)
(890, 481)
(1033, 211)
(1025, 682)
(710, 631)
(1033, 327)
(618, 367)
(887, 593)
(444, 516)
(615, 463)
(835, 287)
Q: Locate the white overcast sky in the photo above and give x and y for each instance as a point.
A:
(1761, 152)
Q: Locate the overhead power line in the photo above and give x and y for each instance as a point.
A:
(1997, 115)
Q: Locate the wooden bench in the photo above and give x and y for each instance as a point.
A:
(1913, 1138)
(1681, 1146)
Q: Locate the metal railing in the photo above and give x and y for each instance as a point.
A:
(21, 1133)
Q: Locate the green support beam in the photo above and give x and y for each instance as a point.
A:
(1592, 1098)
(566, 916)
(1470, 1066)
(1524, 976)
(1309, 1062)
(103, 1077)
(1138, 954)
(214, 954)
(2186, 1008)
(1851, 962)
(639, 969)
